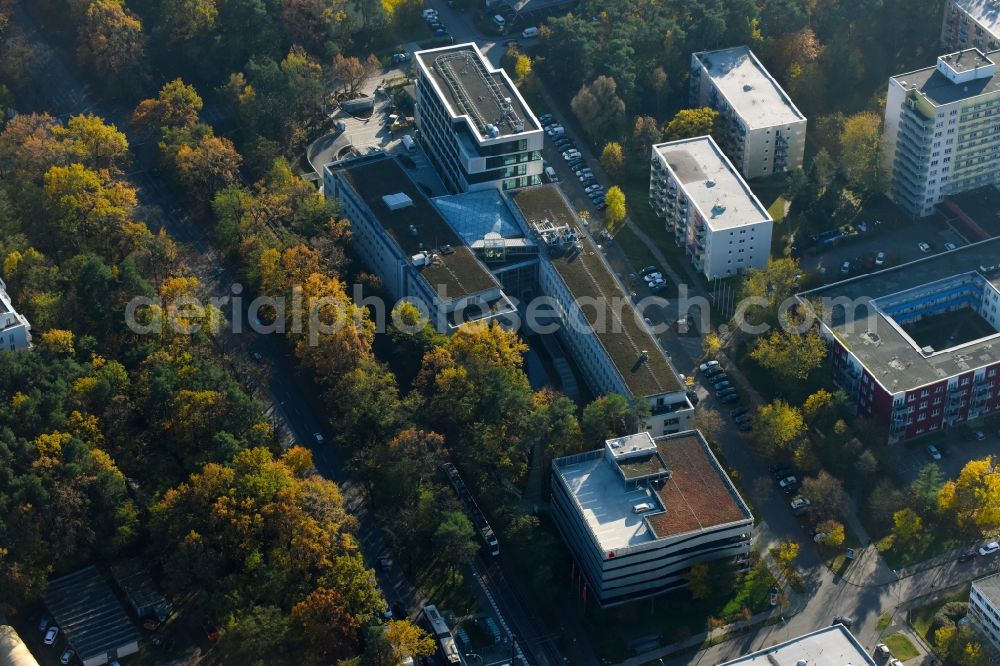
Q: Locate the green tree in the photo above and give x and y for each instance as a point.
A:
(861, 150)
(827, 494)
(689, 123)
(455, 538)
(611, 416)
(613, 159)
(95, 143)
(926, 487)
(698, 581)
(599, 109)
(616, 212)
(906, 525)
(176, 105)
(774, 285)
(645, 133)
(776, 425)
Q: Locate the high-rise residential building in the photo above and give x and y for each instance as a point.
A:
(759, 127)
(15, 331)
(916, 347)
(473, 122)
(711, 211)
(971, 24)
(984, 607)
(942, 130)
(639, 513)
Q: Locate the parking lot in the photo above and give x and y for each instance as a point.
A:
(900, 247)
(956, 451)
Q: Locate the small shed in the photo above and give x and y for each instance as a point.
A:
(90, 616)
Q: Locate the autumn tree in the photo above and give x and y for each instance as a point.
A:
(861, 150)
(84, 204)
(832, 533)
(827, 494)
(94, 143)
(408, 640)
(817, 405)
(698, 581)
(613, 159)
(611, 416)
(176, 105)
(776, 425)
(711, 344)
(645, 133)
(327, 624)
(201, 162)
(599, 109)
(771, 287)
(689, 123)
(110, 41)
(791, 356)
(973, 499)
(906, 525)
(616, 212)
(522, 68)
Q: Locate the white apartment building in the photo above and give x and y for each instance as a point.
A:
(984, 607)
(971, 24)
(473, 122)
(759, 127)
(715, 217)
(598, 323)
(15, 331)
(942, 130)
(639, 513)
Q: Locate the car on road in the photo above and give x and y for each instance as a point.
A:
(739, 411)
(933, 452)
(318, 437)
(845, 267)
(880, 259)
(966, 556)
(66, 656)
(725, 392)
(43, 624)
(844, 620)
(774, 596)
(707, 365)
(50, 635)
(924, 247)
(989, 548)
(979, 435)
(950, 246)
(800, 503)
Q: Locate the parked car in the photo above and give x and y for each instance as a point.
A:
(739, 411)
(800, 503)
(966, 556)
(707, 365)
(546, 119)
(318, 438)
(399, 58)
(845, 267)
(692, 395)
(50, 635)
(67, 656)
(722, 384)
(555, 130)
(653, 269)
(571, 154)
(880, 259)
(652, 277)
(979, 435)
(592, 188)
(713, 371)
(718, 377)
(730, 399)
(576, 164)
(774, 596)
(933, 452)
(924, 247)
(655, 283)
(789, 484)
(429, 13)
(950, 246)
(989, 548)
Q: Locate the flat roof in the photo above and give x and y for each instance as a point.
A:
(472, 87)
(587, 275)
(981, 205)
(697, 496)
(829, 646)
(889, 356)
(452, 275)
(939, 90)
(749, 87)
(985, 12)
(712, 183)
(989, 587)
(88, 613)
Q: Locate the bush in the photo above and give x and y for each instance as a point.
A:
(948, 615)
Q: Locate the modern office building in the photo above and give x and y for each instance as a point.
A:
(971, 24)
(597, 320)
(760, 128)
(403, 239)
(942, 130)
(15, 331)
(984, 607)
(829, 646)
(713, 214)
(473, 122)
(639, 513)
(917, 346)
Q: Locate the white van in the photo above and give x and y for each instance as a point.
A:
(500, 21)
(408, 143)
(528, 33)
(551, 173)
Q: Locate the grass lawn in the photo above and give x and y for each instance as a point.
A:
(901, 647)
(936, 542)
(883, 622)
(637, 198)
(836, 558)
(639, 255)
(920, 618)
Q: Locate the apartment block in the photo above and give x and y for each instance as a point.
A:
(474, 125)
(759, 127)
(596, 320)
(639, 513)
(942, 130)
(917, 346)
(15, 331)
(713, 214)
(971, 24)
(984, 608)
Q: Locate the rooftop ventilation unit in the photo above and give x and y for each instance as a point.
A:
(747, 87)
(718, 209)
(397, 201)
(709, 183)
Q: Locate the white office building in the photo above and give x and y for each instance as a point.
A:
(759, 127)
(942, 130)
(473, 122)
(971, 24)
(639, 513)
(713, 214)
(984, 607)
(15, 331)
(828, 646)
